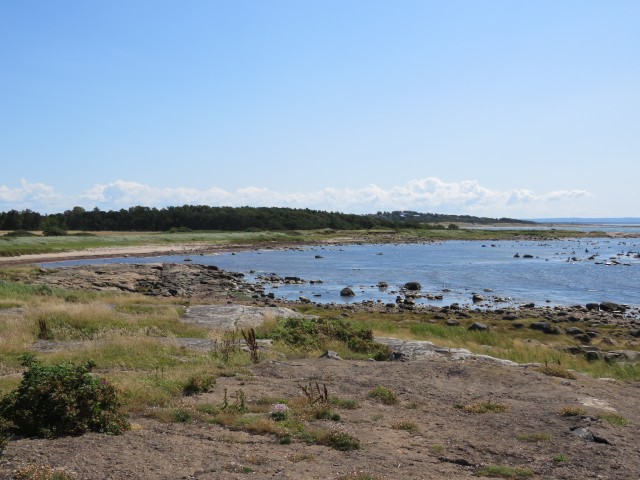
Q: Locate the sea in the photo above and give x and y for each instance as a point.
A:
(506, 273)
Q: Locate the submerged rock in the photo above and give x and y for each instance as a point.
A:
(413, 286)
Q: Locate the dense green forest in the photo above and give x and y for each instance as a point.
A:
(202, 217)
(409, 216)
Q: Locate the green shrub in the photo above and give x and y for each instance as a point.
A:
(20, 233)
(309, 334)
(180, 415)
(410, 427)
(198, 384)
(5, 433)
(57, 400)
(344, 403)
(54, 231)
(337, 440)
(554, 370)
(383, 395)
(571, 411)
(486, 407)
(614, 419)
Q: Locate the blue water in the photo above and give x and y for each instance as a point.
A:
(454, 269)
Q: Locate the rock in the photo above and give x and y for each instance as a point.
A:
(304, 299)
(593, 355)
(553, 330)
(293, 280)
(347, 292)
(583, 433)
(382, 285)
(413, 286)
(592, 306)
(452, 322)
(235, 317)
(331, 354)
(622, 356)
(574, 331)
(539, 326)
(583, 338)
(611, 307)
(477, 298)
(478, 327)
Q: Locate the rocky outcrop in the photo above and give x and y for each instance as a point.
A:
(235, 317)
(162, 279)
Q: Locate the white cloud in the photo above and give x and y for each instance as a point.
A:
(28, 195)
(427, 195)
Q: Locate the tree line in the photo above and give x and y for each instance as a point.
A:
(202, 217)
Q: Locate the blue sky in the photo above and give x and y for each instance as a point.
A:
(499, 108)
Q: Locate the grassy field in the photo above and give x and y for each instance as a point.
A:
(13, 246)
(132, 338)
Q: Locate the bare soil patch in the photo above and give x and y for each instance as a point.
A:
(445, 441)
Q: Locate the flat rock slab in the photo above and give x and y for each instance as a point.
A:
(235, 317)
(414, 349)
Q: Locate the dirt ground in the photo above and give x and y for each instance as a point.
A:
(448, 442)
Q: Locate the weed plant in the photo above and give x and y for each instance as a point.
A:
(488, 406)
(571, 411)
(614, 419)
(383, 395)
(43, 472)
(405, 425)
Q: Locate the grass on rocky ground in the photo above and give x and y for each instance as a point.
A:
(132, 338)
(523, 345)
(12, 246)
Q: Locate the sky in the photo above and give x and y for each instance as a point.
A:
(523, 109)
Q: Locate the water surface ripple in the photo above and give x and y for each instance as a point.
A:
(563, 272)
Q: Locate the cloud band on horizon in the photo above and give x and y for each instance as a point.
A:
(426, 194)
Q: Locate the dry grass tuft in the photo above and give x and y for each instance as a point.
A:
(486, 407)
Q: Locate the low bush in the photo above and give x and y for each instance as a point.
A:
(344, 403)
(58, 400)
(571, 411)
(336, 439)
(407, 426)
(383, 395)
(309, 334)
(198, 383)
(614, 419)
(555, 370)
(20, 233)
